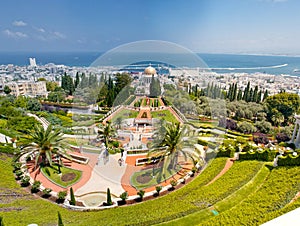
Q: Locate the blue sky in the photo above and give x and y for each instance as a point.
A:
(212, 26)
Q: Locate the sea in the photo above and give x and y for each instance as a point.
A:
(271, 64)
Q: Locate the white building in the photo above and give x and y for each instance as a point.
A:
(26, 88)
(32, 62)
(145, 78)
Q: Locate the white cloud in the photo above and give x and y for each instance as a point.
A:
(59, 35)
(41, 30)
(19, 23)
(16, 34)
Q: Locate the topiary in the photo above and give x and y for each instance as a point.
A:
(72, 201)
(108, 198)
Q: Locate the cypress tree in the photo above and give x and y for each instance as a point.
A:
(77, 80)
(229, 92)
(266, 94)
(258, 100)
(255, 94)
(250, 97)
(108, 198)
(234, 95)
(72, 201)
(240, 95)
(246, 92)
(60, 222)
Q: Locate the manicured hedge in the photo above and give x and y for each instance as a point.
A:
(226, 152)
(289, 160)
(264, 155)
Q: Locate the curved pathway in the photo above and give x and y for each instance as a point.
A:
(227, 166)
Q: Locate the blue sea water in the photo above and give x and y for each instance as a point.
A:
(211, 60)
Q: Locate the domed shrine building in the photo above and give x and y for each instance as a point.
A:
(143, 88)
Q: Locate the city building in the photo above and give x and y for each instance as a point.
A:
(26, 88)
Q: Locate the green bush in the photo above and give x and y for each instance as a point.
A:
(226, 151)
(289, 160)
(141, 193)
(35, 186)
(173, 183)
(25, 181)
(46, 192)
(158, 189)
(124, 196)
(264, 155)
(61, 195)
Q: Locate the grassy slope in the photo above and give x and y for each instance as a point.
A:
(44, 213)
(176, 204)
(226, 203)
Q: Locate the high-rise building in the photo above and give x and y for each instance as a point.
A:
(32, 62)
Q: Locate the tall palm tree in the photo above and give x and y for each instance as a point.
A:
(44, 143)
(106, 132)
(176, 141)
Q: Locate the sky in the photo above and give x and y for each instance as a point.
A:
(203, 26)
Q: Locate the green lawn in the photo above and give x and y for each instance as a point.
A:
(57, 178)
(165, 115)
(125, 114)
(155, 175)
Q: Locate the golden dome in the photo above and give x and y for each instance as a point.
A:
(150, 71)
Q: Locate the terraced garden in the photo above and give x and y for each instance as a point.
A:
(248, 193)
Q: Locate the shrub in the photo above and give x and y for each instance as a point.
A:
(194, 169)
(25, 181)
(263, 126)
(72, 196)
(282, 137)
(115, 144)
(35, 186)
(17, 166)
(141, 193)
(61, 196)
(108, 198)
(46, 192)
(173, 183)
(226, 151)
(246, 127)
(158, 189)
(19, 173)
(260, 138)
(289, 160)
(124, 196)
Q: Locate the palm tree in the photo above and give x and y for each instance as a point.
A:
(176, 141)
(44, 143)
(277, 119)
(106, 132)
